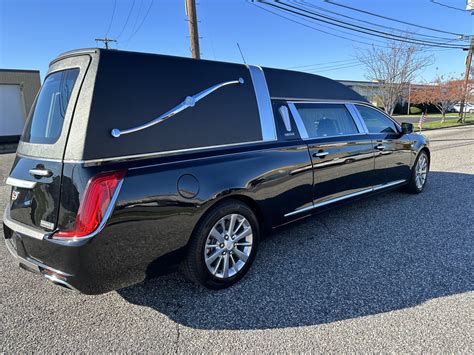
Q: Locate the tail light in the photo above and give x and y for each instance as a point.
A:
(96, 199)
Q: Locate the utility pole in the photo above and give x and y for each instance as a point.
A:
(106, 41)
(466, 87)
(193, 28)
(409, 98)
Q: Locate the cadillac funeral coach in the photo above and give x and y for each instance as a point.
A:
(132, 162)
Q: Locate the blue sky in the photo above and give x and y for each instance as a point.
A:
(33, 32)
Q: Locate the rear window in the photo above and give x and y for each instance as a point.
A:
(46, 122)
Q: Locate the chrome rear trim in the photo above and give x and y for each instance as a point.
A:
(103, 222)
(25, 184)
(341, 198)
(21, 228)
(264, 104)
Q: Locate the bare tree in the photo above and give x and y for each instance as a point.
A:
(442, 93)
(394, 67)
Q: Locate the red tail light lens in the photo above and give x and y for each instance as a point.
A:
(96, 199)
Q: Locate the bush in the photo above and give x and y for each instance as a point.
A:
(415, 110)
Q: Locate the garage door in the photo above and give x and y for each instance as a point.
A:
(12, 112)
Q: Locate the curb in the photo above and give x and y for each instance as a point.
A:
(8, 148)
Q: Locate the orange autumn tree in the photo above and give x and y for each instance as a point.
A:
(442, 93)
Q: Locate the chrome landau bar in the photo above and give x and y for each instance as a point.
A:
(189, 101)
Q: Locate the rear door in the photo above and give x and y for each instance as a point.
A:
(341, 152)
(37, 171)
(392, 150)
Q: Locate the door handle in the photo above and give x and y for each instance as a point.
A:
(380, 147)
(41, 172)
(320, 154)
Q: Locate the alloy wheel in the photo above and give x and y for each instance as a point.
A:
(228, 246)
(421, 171)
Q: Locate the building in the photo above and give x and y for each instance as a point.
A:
(18, 89)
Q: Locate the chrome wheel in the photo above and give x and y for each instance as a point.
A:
(421, 171)
(228, 246)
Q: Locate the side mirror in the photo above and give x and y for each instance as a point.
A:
(407, 128)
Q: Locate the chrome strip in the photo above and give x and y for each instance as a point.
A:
(378, 187)
(361, 126)
(298, 121)
(267, 121)
(189, 101)
(25, 184)
(21, 228)
(324, 203)
(103, 222)
(157, 154)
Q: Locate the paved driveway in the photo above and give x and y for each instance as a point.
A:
(392, 273)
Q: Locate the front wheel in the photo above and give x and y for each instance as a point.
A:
(223, 246)
(419, 173)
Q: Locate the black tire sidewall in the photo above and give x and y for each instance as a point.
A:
(196, 263)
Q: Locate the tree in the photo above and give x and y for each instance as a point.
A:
(394, 67)
(442, 93)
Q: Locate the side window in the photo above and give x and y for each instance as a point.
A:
(286, 127)
(375, 121)
(326, 120)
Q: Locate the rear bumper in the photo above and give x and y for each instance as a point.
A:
(88, 266)
(56, 276)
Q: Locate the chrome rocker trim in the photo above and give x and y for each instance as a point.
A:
(354, 194)
(189, 101)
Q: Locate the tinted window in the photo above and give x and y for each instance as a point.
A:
(376, 121)
(326, 120)
(46, 121)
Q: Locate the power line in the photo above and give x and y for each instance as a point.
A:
(317, 64)
(338, 68)
(448, 6)
(320, 30)
(126, 21)
(369, 22)
(392, 19)
(363, 29)
(141, 23)
(112, 18)
(357, 28)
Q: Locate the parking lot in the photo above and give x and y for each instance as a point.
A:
(391, 273)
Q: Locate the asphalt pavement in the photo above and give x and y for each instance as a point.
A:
(393, 273)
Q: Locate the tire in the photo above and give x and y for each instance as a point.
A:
(213, 230)
(419, 175)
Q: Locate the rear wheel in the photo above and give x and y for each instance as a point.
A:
(223, 246)
(419, 173)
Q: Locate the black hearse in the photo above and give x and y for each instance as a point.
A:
(130, 161)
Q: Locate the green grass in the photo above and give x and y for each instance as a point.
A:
(451, 114)
(449, 122)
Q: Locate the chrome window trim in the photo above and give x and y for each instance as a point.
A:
(353, 194)
(24, 184)
(302, 129)
(357, 118)
(298, 120)
(264, 104)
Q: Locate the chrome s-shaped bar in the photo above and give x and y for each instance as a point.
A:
(189, 101)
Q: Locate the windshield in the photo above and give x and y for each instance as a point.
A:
(46, 122)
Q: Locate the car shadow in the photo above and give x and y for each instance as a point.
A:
(382, 254)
